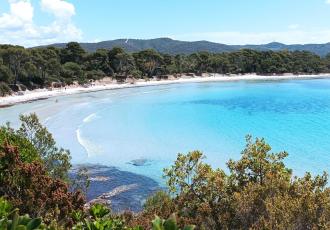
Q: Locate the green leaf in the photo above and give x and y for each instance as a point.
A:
(3, 223)
(33, 224)
(24, 220)
(189, 227)
(14, 222)
(170, 224)
(157, 224)
(138, 228)
(20, 227)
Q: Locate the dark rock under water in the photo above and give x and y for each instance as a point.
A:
(120, 189)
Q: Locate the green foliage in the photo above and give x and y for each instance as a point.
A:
(72, 72)
(72, 53)
(81, 181)
(98, 211)
(5, 74)
(5, 208)
(56, 161)
(258, 193)
(257, 164)
(4, 89)
(28, 153)
(148, 62)
(17, 222)
(102, 224)
(40, 67)
(28, 187)
(33, 172)
(159, 204)
(94, 75)
(100, 219)
(169, 224)
(121, 62)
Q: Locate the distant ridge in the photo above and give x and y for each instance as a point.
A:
(170, 46)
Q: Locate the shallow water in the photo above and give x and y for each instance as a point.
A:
(142, 129)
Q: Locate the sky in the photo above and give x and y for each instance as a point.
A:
(38, 22)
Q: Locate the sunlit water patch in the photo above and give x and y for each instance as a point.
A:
(142, 129)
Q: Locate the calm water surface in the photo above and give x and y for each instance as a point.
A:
(152, 124)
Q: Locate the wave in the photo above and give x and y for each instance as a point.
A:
(90, 118)
(91, 148)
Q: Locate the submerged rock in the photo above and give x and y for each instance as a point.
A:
(120, 190)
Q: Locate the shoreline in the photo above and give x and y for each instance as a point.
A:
(40, 94)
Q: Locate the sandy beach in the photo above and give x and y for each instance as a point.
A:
(26, 96)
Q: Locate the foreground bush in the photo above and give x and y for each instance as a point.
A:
(36, 143)
(28, 187)
(98, 218)
(258, 193)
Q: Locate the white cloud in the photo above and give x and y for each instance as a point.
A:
(241, 38)
(60, 9)
(20, 15)
(18, 27)
(327, 1)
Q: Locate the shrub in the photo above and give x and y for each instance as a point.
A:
(159, 204)
(169, 224)
(28, 187)
(20, 222)
(258, 193)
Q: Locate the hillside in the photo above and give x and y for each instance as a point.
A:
(170, 46)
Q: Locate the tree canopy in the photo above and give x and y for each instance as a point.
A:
(32, 68)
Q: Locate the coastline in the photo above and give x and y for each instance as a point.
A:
(40, 94)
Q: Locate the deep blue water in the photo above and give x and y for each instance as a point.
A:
(150, 125)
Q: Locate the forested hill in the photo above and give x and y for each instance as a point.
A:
(170, 46)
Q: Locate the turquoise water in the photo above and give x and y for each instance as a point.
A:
(116, 127)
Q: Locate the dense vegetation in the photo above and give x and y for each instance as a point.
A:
(170, 46)
(22, 68)
(256, 192)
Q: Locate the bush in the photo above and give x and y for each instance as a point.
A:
(160, 204)
(28, 187)
(258, 193)
(20, 222)
(100, 219)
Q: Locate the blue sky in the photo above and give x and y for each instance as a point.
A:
(36, 22)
